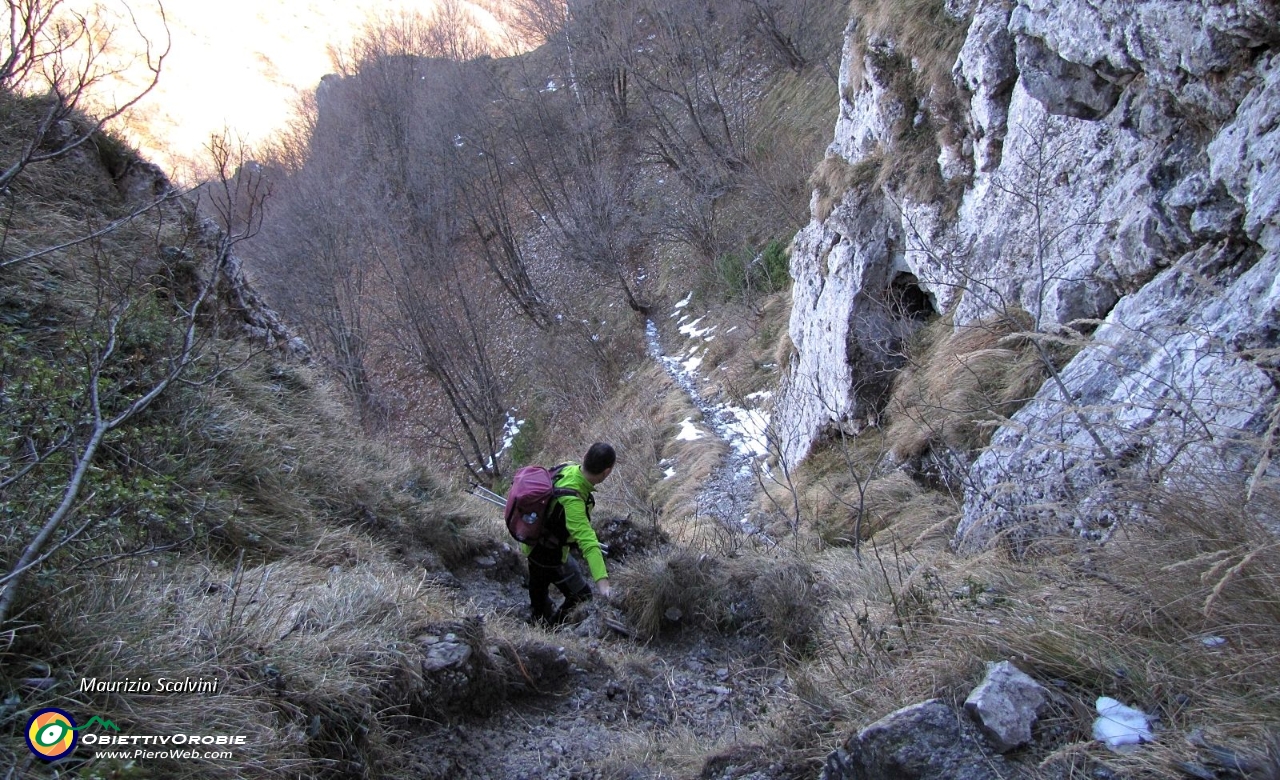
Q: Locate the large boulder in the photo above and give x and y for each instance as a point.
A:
(927, 741)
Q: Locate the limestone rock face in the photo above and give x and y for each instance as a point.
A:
(1114, 175)
(837, 264)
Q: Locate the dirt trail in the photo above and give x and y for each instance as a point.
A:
(620, 695)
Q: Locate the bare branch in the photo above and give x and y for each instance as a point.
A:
(109, 228)
(39, 49)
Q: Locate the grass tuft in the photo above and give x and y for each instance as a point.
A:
(835, 177)
(777, 598)
(965, 381)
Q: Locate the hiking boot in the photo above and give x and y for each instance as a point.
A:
(570, 604)
(543, 615)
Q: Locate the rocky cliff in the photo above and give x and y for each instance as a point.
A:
(1103, 169)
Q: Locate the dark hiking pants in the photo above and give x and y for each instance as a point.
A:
(546, 568)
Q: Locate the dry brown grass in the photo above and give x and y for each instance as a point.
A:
(964, 382)
(848, 491)
(923, 43)
(891, 502)
(318, 657)
(775, 596)
(778, 743)
(923, 29)
(679, 751)
(694, 462)
(835, 177)
(743, 356)
(790, 127)
(278, 437)
(642, 420)
(1128, 619)
(308, 654)
(259, 539)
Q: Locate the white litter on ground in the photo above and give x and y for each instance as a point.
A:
(1121, 727)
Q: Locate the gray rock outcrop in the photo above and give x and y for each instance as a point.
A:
(144, 185)
(1116, 166)
(1006, 706)
(926, 741)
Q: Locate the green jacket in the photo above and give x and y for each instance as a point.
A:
(577, 520)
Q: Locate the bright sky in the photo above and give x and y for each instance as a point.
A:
(237, 64)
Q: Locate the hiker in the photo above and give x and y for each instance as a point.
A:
(569, 524)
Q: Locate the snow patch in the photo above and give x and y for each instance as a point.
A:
(688, 431)
(510, 430)
(693, 331)
(744, 429)
(747, 429)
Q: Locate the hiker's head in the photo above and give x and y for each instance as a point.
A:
(598, 462)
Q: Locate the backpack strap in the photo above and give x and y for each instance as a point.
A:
(560, 492)
(558, 532)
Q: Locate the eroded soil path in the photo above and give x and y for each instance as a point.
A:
(617, 708)
(621, 706)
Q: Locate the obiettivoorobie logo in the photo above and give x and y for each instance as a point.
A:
(51, 733)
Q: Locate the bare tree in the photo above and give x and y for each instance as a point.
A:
(491, 200)
(387, 243)
(61, 56)
(315, 248)
(693, 82)
(802, 33)
(601, 227)
(117, 388)
(445, 335)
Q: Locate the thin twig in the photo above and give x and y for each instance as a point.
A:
(110, 228)
(61, 543)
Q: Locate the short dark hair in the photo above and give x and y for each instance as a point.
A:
(600, 457)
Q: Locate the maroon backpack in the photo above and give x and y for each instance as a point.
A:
(529, 501)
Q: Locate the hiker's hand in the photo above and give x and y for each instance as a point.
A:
(604, 589)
